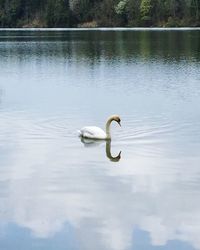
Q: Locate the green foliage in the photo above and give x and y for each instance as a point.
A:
(68, 13)
(120, 8)
(145, 10)
(105, 14)
(58, 13)
(79, 10)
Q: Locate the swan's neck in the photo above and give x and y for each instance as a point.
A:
(108, 128)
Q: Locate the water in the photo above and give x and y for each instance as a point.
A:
(57, 192)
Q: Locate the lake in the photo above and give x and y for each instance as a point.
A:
(60, 192)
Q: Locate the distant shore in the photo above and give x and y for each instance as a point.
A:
(103, 29)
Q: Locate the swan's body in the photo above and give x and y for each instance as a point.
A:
(97, 133)
(93, 132)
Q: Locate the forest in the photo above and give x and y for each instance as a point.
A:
(99, 13)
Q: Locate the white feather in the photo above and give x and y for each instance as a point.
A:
(92, 132)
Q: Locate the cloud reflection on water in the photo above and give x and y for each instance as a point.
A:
(45, 184)
(56, 82)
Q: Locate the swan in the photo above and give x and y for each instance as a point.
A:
(97, 133)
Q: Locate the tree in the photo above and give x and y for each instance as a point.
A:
(67, 13)
(58, 13)
(195, 6)
(121, 10)
(146, 11)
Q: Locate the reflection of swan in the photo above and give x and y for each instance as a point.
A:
(93, 143)
(108, 152)
(97, 133)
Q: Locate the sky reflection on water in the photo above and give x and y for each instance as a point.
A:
(56, 193)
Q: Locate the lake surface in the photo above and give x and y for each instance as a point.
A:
(58, 192)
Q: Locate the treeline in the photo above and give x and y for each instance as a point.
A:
(95, 13)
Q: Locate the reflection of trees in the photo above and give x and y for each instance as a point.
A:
(43, 187)
(93, 46)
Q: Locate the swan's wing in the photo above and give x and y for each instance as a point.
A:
(92, 132)
(84, 131)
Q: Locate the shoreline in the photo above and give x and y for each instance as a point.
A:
(105, 29)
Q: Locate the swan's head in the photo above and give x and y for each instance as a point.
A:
(117, 119)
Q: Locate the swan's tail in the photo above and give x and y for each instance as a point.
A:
(79, 132)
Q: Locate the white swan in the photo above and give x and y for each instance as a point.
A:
(92, 132)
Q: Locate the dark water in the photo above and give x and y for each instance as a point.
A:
(57, 192)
